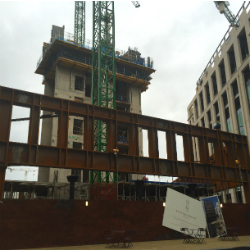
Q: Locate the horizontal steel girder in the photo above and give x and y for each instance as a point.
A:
(31, 153)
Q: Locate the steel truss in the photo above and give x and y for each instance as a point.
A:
(223, 168)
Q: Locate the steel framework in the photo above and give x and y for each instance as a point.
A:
(103, 72)
(223, 168)
(79, 32)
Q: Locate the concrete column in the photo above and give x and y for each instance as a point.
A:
(218, 80)
(237, 53)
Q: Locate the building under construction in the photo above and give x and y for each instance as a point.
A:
(72, 148)
(67, 69)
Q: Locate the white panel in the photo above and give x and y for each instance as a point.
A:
(181, 211)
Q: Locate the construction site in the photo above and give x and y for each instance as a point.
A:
(87, 136)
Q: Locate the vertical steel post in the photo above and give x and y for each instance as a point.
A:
(2, 179)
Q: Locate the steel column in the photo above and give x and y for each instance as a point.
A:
(2, 178)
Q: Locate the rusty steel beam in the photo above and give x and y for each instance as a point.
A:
(33, 154)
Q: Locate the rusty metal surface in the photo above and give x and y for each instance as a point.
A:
(47, 223)
(33, 154)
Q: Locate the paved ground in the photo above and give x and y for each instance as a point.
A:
(166, 245)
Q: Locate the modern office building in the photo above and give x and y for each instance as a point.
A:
(223, 89)
(67, 70)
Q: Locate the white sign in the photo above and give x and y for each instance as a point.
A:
(182, 211)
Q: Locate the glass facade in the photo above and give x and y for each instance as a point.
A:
(238, 108)
(227, 114)
(240, 121)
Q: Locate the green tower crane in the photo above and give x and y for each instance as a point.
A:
(222, 6)
(79, 31)
(103, 73)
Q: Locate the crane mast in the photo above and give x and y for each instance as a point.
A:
(103, 73)
(79, 29)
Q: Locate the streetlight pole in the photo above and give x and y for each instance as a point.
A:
(116, 150)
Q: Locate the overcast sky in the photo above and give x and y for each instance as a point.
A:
(180, 36)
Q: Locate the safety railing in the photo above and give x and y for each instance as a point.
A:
(118, 53)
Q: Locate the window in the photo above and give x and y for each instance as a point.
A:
(238, 195)
(203, 122)
(77, 145)
(79, 83)
(235, 88)
(207, 93)
(231, 58)
(228, 195)
(88, 90)
(214, 84)
(209, 119)
(227, 114)
(222, 73)
(202, 103)
(243, 44)
(246, 74)
(77, 172)
(77, 128)
(239, 115)
(217, 112)
(196, 108)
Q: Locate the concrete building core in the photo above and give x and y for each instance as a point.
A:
(223, 90)
(67, 70)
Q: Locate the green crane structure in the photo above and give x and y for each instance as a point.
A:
(103, 73)
(79, 29)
